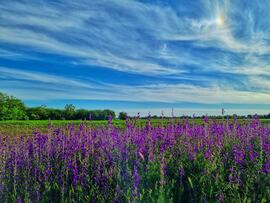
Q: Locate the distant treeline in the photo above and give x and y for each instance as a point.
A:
(69, 113)
(213, 117)
(12, 108)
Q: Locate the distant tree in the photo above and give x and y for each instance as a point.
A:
(55, 114)
(38, 113)
(106, 113)
(249, 116)
(82, 114)
(32, 114)
(122, 115)
(3, 106)
(11, 108)
(69, 111)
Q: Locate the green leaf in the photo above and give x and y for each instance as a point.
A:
(190, 182)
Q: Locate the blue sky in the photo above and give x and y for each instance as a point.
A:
(138, 56)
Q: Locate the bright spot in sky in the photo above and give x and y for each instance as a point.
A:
(220, 20)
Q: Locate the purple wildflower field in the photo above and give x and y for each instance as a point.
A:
(177, 162)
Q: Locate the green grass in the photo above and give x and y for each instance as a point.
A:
(16, 127)
(95, 122)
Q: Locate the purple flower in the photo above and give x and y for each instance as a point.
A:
(75, 174)
(19, 200)
(182, 172)
(110, 120)
(239, 155)
(206, 119)
(255, 122)
(136, 181)
(266, 148)
(136, 175)
(48, 173)
(266, 167)
(221, 197)
(234, 177)
(207, 153)
(253, 155)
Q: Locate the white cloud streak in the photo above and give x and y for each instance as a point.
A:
(72, 89)
(146, 39)
(13, 74)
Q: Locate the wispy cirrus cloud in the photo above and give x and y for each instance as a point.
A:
(94, 36)
(206, 51)
(72, 89)
(10, 73)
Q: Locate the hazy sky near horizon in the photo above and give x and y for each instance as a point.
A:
(137, 55)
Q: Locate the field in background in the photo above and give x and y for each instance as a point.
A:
(28, 126)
